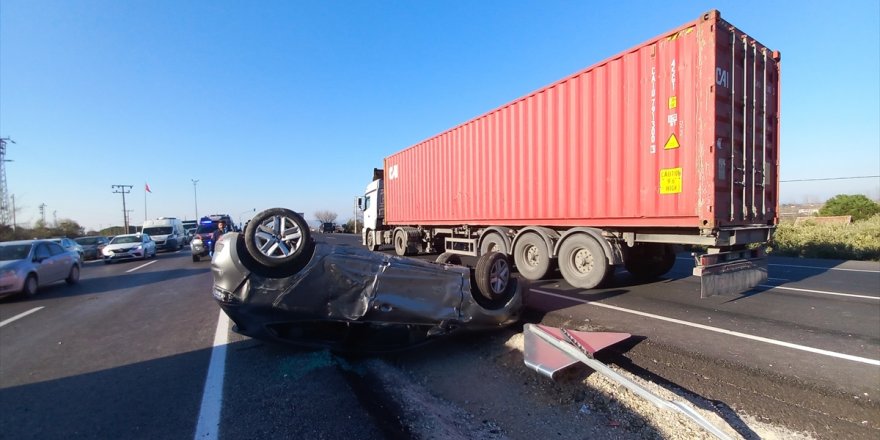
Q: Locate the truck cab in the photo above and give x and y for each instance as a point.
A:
(373, 207)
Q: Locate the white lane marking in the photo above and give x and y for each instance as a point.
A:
(776, 279)
(208, 426)
(142, 265)
(20, 315)
(719, 330)
(826, 268)
(804, 267)
(851, 295)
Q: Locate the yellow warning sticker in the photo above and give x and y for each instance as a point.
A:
(671, 143)
(670, 181)
(673, 102)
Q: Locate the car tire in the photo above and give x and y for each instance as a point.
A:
(73, 276)
(196, 258)
(492, 275)
(449, 258)
(30, 285)
(277, 238)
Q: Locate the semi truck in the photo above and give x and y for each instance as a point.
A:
(673, 142)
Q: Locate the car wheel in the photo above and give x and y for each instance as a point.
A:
(449, 258)
(492, 275)
(30, 285)
(196, 258)
(73, 276)
(278, 237)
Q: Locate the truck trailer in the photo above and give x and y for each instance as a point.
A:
(673, 142)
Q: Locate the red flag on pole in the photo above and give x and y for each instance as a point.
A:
(147, 188)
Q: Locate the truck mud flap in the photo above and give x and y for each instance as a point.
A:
(731, 272)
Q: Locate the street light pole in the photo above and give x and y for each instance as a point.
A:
(196, 197)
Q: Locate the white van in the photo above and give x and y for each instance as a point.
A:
(167, 232)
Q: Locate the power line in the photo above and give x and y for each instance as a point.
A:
(829, 178)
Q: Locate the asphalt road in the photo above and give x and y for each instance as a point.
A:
(127, 353)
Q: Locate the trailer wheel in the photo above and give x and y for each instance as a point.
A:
(531, 256)
(583, 262)
(492, 275)
(371, 241)
(449, 258)
(647, 261)
(401, 243)
(492, 242)
(277, 237)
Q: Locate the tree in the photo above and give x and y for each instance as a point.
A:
(858, 206)
(325, 216)
(349, 226)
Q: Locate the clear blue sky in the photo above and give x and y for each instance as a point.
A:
(288, 103)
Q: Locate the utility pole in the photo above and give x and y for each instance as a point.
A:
(123, 189)
(196, 197)
(13, 213)
(43, 214)
(4, 192)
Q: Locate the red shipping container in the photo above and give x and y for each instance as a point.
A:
(681, 131)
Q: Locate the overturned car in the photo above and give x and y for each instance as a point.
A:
(276, 283)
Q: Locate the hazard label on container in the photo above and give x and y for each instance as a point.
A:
(670, 181)
(671, 143)
(673, 102)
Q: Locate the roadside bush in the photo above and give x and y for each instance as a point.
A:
(858, 206)
(856, 241)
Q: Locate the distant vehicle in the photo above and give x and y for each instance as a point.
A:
(27, 265)
(203, 240)
(167, 232)
(327, 228)
(189, 227)
(92, 246)
(70, 245)
(129, 247)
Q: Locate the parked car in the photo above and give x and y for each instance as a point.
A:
(27, 265)
(92, 246)
(276, 283)
(129, 247)
(70, 245)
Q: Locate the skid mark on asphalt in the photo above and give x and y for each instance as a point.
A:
(718, 330)
(208, 425)
(20, 315)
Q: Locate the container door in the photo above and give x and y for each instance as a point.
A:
(747, 129)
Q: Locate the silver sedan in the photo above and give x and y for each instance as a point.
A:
(27, 265)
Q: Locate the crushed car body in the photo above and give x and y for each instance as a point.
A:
(276, 283)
